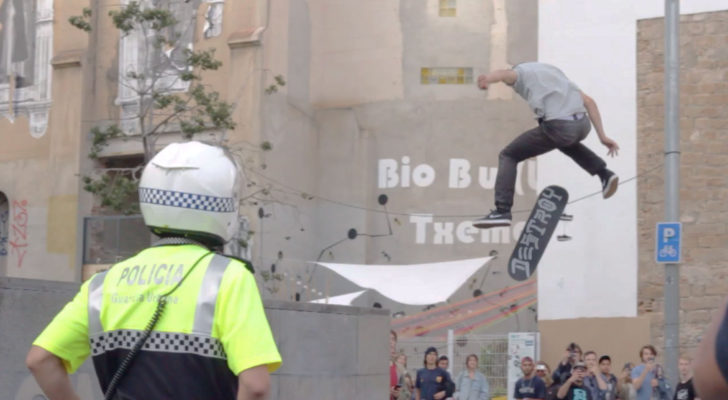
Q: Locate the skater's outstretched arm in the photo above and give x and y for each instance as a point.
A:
(596, 119)
(507, 76)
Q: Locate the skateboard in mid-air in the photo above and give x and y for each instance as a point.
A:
(537, 232)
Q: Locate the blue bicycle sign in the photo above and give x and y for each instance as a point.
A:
(668, 246)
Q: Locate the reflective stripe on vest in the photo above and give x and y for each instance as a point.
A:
(207, 298)
(198, 342)
(95, 298)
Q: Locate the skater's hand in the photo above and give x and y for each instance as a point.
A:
(483, 82)
(611, 145)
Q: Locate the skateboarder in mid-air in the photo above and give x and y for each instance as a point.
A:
(561, 109)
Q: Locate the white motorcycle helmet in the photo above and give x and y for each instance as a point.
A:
(190, 189)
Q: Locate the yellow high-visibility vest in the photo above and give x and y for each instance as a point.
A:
(212, 328)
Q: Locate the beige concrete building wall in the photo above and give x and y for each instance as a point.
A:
(287, 235)
(703, 179)
(39, 175)
(356, 52)
(259, 40)
(237, 47)
(354, 97)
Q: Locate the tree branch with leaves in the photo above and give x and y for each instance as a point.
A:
(168, 86)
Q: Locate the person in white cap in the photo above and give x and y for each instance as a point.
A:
(573, 388)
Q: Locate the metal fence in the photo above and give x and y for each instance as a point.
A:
(492, 352)
(110, 239)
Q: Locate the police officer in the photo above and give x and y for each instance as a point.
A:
(177, 320)
(711, 361)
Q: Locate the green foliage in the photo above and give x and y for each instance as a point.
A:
(100, 139)
(194, 111)
(268, 276)
(115, 191)
(189, 112)
(271, 281)
(83, 21)
(279, 82)
(205, 111)
(134, 16)
(204, 60)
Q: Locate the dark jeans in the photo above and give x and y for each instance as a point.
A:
(564, 135)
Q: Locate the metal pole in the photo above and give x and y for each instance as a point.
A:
(672, 183)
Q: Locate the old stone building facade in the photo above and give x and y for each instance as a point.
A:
(41, 98)
(703, 178)
(366, 110)
(391, 109)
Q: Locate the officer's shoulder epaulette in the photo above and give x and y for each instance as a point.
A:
(248, 264)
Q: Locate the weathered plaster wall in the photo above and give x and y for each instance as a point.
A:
(40, 176)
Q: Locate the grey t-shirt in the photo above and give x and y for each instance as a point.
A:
(549, 93)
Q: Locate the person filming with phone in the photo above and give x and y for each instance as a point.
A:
(573, 388)
(648, 378)
(626, 387)
(572, 354)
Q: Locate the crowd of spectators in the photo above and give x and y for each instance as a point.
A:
(578, 376)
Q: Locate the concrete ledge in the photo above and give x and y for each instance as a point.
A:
(330, 352)
(132, 144)
(72, 287)
(323, 308)
(67, 59)
(38, 285)
(246, 38)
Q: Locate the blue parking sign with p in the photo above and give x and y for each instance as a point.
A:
(669, 236)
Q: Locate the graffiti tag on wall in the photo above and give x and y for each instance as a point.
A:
(19, 230)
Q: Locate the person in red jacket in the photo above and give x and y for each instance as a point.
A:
(393, 378)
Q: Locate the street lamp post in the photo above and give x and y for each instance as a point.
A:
(672, 183)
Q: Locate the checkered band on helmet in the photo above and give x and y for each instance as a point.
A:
(169, 342)
(186, 200)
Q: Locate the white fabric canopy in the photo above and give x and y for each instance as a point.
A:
(415, 284)
(342, 299)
